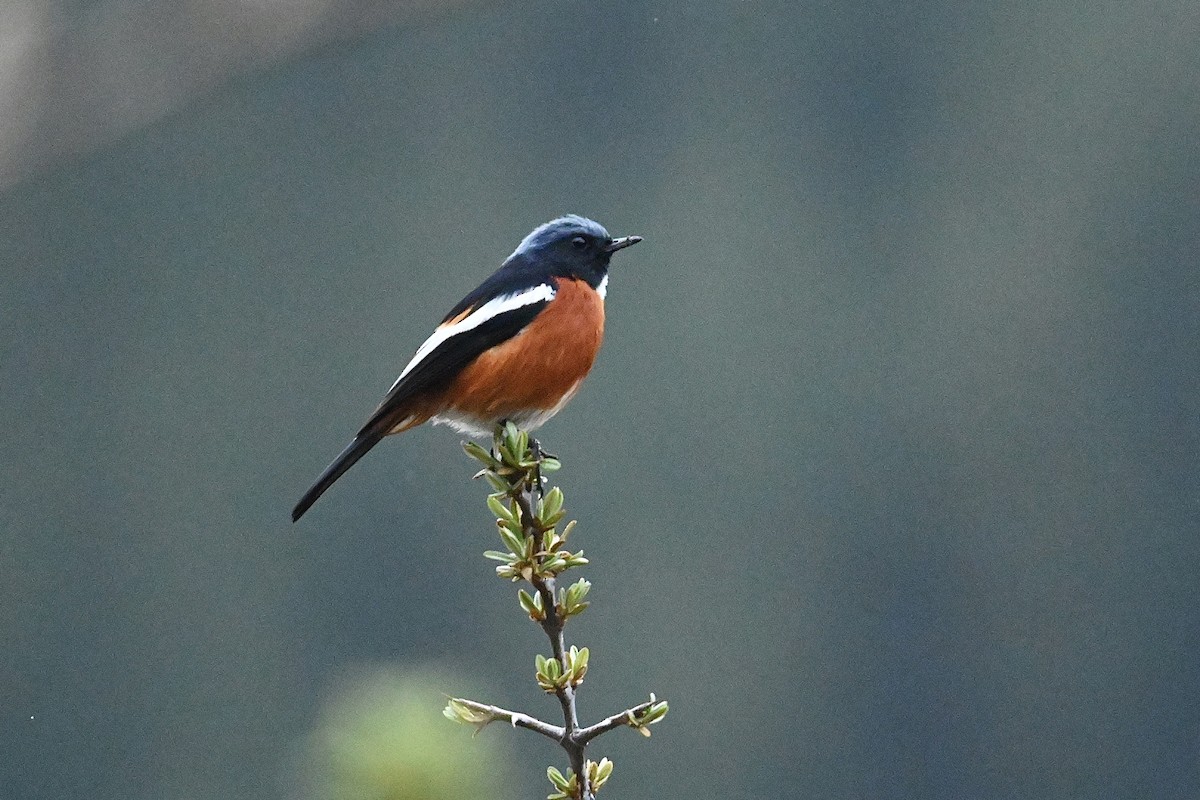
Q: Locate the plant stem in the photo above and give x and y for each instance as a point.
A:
(517, 719)
(513, 468)
(611, 723)
(553, 626)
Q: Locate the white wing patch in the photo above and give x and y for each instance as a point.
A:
(602, 289)
(493, 308)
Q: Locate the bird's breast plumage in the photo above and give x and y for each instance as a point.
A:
(529, 377)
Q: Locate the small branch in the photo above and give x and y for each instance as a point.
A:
(611, 723)
(514, 718)
(553, 626)
(527, 517)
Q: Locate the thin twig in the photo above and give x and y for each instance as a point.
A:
(553, 626)
(610, 723)
(519, 477)
(514, 718)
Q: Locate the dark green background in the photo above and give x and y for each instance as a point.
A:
(888, 468)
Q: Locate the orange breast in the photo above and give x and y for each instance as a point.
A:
(540, 366)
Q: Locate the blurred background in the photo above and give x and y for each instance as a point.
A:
(888, 469)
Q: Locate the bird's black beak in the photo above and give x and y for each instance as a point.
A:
(622, 243)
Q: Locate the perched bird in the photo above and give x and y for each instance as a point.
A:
(514, 349)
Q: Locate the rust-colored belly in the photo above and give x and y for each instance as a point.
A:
(539, 367)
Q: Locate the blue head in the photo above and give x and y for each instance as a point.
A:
(570, 247)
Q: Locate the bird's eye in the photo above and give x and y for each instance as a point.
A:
(579, 242)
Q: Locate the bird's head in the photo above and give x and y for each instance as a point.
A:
(570, 246)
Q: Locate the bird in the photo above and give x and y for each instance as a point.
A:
(515, 349)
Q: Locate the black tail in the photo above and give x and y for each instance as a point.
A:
(353, 452)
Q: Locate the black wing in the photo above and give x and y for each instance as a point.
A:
(432, 373)
(439, 367)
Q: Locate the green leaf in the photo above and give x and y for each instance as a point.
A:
(513, 525)
(496, 482)
(598, 773)
(577, 591)
(558, 779)
(553, 565)
(516, 443)
(513, 541)
(549, 673)
(641, 722)
(551, 504)
(654, 713)
(479, 453)
(499, 509)
(577, 665)
(526, 600)
(469, 713)
(567, 786)
(573, 560)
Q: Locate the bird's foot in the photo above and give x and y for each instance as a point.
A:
(539, 455)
